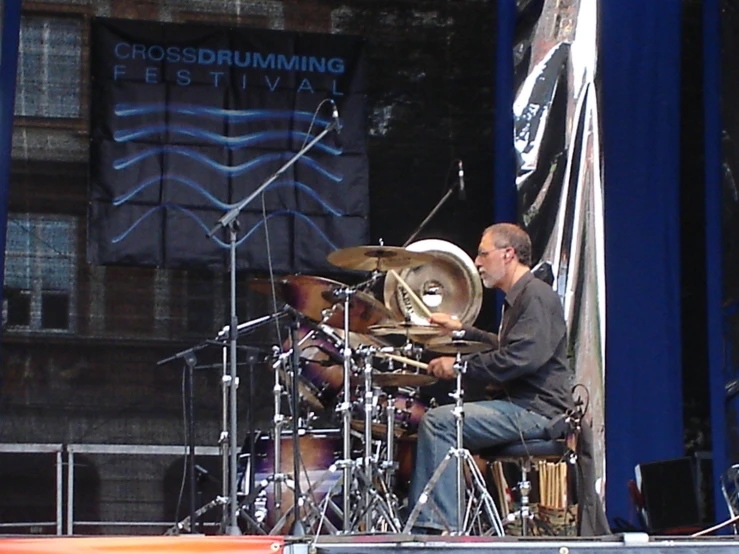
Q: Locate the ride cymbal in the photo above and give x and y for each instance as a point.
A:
(377, 258)
(448, 345)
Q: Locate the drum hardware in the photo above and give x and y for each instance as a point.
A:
(189, 358)
(287, 365)
(469, 509)
(370, 462)
(363, 505)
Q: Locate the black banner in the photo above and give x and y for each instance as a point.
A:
(189, 120)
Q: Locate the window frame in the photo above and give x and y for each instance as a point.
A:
(36, 292)
(83, 14)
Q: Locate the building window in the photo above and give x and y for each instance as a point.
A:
(49, 81)
(39, 290)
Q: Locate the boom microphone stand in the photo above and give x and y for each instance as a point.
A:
(229, 221)
(188, 356)
(459, 184)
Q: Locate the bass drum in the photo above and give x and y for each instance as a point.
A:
(319, 450)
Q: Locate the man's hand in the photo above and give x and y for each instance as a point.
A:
(442, 367)
(447, 321)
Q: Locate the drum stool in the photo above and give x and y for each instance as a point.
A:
(526, 454)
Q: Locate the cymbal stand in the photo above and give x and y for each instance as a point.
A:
(278, 478)
(371, 502)
(374, 502)
(346, 414)
(480, 502)
(389, 465)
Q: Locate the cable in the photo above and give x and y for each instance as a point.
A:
(184, 466)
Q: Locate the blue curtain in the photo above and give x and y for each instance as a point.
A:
(640, 75)
(714, 289)
(11, 20)
(504, 172)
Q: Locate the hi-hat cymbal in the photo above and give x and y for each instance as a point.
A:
(448, 345)
(396, 379)
(311, 296)
(402, 328)
(380, 258)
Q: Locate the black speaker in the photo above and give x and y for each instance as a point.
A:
(669, 496)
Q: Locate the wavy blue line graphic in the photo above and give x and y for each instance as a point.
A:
(205, 228)
(122, 199)
(236, 142)
(123, 163)
(128, 110)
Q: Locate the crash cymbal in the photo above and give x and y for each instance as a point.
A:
(312, 296)
(403, 328)
(380, 258)
(448, 345)
(396, 379)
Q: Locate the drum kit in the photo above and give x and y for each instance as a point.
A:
(356, 362)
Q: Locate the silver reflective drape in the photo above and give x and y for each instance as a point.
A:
(560, 186)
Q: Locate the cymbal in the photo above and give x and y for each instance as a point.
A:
(402, 328)
(311, 295)
(450, 284)
(380, 258)
(396, 379)
(448, 345)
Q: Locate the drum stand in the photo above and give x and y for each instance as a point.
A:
(278, 478)
(373, 509)
(470, 511)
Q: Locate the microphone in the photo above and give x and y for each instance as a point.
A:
(462, 193)
(335, 116)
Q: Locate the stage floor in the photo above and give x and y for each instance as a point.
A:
(378, 544)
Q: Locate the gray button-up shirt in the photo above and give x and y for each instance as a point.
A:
(529, 356)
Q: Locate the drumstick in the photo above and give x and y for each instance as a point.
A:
(409, 361)
(412, 294)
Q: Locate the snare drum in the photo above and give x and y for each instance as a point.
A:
(409, 409)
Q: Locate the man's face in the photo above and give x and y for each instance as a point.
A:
(490, 261)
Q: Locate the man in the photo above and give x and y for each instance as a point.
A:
(525, 373)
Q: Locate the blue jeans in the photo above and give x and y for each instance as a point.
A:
(486, 423)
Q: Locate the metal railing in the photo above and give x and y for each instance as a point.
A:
(31, 448)
(64, 495)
